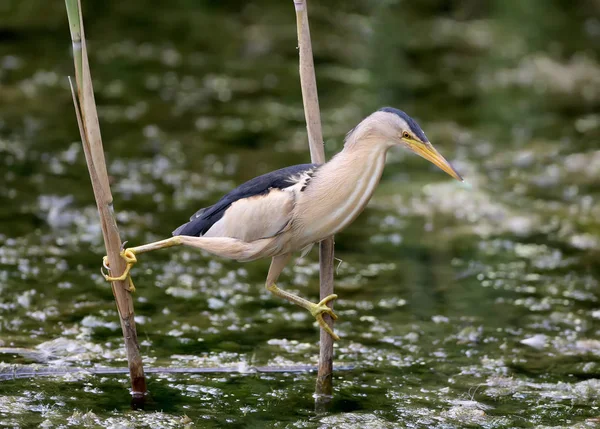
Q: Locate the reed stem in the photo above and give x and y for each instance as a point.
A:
(310, 98)
(89, 129)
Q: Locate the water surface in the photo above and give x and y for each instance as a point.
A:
(461, 305)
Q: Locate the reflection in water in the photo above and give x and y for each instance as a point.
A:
(444, 288)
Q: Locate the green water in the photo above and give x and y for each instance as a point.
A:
(440, 282)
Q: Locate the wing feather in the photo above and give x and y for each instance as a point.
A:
(256, 217)
(265, 195)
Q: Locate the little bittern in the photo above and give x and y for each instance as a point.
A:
(289, 210)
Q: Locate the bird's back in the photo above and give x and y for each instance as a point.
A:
(204, 219)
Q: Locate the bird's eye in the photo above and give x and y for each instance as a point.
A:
(405, 135)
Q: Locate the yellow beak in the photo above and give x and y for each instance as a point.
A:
(430, 154)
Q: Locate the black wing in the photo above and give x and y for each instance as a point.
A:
(205, 218)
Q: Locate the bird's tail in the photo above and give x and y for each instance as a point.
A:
(180, 229)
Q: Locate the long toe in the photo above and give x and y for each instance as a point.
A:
(331, 313)
(322, 307)
(328, 298)
(326, 327)
(119, 278)
(131, 285)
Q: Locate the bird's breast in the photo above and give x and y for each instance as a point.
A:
(337, 194)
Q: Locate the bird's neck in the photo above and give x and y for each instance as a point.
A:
(341, 188)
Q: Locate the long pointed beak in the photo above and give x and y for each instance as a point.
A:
(432, 155)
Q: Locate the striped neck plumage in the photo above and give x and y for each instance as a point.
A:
(343, 187)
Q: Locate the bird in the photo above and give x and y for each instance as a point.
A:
(289, 210)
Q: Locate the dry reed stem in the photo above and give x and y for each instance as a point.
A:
(310, 99)
(89, 128)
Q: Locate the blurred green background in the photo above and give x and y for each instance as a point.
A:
(460, 305)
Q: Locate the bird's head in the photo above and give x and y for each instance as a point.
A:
(393, 127)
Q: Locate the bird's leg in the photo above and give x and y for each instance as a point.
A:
(130, 259)
(317, 310)
(222, 246)
(156, 245)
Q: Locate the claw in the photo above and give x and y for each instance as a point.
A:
(130, 259)
(319, 309)
(120, 278)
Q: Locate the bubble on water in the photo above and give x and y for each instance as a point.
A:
(392, 302)
(437, 319)
(91, 321)
(538, 341)
(353, 420)
(470, 334)
(181, 292)
(24, 299)
(215, 304)
(61, 350)
(467, 413)
(584, 241)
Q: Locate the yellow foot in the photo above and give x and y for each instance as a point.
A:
(130, 259)
(317, 311)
